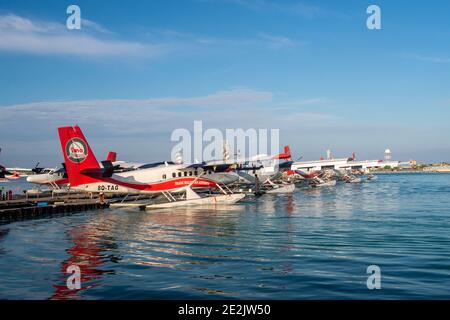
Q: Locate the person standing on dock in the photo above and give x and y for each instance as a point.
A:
(101, 198)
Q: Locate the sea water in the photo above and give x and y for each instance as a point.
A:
(312, 244)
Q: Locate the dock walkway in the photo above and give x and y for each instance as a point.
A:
(22, 208)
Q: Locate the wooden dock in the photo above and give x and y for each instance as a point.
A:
(21, 209)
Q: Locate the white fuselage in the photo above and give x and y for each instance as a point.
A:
(162, 178)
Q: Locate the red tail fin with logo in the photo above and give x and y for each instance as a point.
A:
(78, 155)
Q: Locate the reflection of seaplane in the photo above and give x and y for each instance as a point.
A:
(85, 174)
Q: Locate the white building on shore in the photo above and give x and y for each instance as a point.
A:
(342, 164)
(346, 163)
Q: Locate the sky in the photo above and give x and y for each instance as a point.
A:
(138, 70)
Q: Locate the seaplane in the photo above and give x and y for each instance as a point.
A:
(175, 182)
(7, 174)
(3, 174)
(57, 178)
(262, 171)
(322, 178)
(355, 175)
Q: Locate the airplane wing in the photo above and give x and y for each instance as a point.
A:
(21, 171)
(286, 155)
(207, 166)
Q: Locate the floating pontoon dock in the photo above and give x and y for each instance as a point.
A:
(21, 209)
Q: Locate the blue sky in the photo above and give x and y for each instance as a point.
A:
(137, 71)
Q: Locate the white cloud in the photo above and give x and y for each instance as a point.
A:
(18, 34)
(234, 98)
(296, 104)
(140, 129)
(301, 8)
(433, 59)
(11, 22)
(203, 41)
(133, 116)
(95, 26)
(233, 108)
(278, 41)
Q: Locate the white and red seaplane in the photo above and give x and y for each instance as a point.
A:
(57, 177)
(176, 182)
(260, 170)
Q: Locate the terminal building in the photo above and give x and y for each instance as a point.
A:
(346, 163)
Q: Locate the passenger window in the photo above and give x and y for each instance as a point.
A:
(179, 174)
(164, 176)
(190, 173)
(185, 173)
(174, 174)
(195, 172)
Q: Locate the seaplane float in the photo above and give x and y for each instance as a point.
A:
(315, 179)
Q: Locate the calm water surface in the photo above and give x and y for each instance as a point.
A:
(313, 244)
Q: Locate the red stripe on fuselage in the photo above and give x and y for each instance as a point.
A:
(62, 181)
(165, 185)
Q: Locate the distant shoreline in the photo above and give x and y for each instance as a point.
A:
(408, 171)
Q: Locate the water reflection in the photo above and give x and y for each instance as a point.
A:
(94, 245)
(171, 238)
(314, 243)
(3, 233)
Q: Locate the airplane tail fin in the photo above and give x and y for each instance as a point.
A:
(112, 156)
(285, 155)
(287, 152)
(78, 155)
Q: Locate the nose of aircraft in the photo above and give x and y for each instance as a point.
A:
(34, 178)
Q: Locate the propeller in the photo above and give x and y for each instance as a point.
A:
(37, 169)
(65, 176)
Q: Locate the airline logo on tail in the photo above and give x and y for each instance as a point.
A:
(76, 150)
